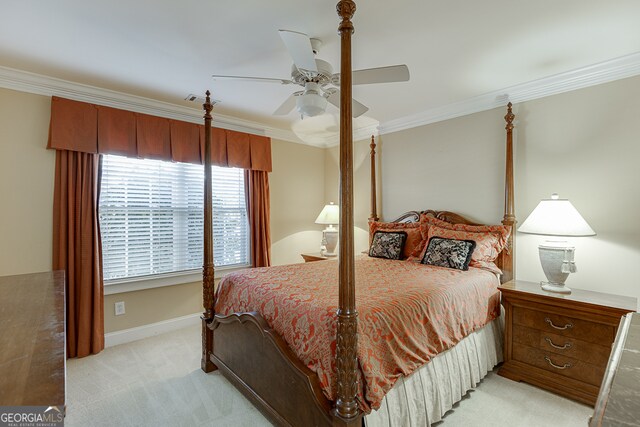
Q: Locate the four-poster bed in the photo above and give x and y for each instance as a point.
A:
(257, 359)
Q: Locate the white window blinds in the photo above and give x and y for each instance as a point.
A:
(151, 217)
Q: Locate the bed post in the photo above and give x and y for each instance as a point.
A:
(508, 255)
(207, 268)
(346, 409)
(374, 203)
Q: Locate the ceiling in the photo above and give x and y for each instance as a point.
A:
(455, 50)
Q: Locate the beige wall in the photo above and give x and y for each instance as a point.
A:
(583, 144)
(152, 305)
(26, 192)
(361, 188)
(26, 184)
(297, 197)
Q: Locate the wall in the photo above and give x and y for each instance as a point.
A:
(26, 184)
(297, 197)
(361, 188)
(26, 192)
(582, 145)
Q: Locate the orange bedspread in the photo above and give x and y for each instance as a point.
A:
(408, 313)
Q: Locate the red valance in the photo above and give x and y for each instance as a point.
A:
(153, 135)
(117, 131)
(74, 126)
(89, 128)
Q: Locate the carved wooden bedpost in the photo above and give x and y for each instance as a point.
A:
(509, 215)
(374, 203)
(207, 268)
(346, 407)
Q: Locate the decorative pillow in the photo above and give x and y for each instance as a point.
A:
(488, 245)
(449, 253)
(414, 244)
(388, 244)
(500, 232)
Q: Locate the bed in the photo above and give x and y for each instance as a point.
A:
(252, 328)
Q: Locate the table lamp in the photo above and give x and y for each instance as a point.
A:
(329, 216)
(556, 217)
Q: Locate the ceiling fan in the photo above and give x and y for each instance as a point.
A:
(320, 83)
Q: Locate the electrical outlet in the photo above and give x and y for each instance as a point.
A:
(119, 308)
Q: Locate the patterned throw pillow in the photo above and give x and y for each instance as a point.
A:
(449, 253)
(387, 244)
(414, 245)
(490, 239)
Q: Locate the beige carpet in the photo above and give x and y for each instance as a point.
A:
(158, 382)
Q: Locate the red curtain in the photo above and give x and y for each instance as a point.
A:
(258, 209)
(77, 248)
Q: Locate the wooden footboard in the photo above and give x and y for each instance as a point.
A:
(261, 365)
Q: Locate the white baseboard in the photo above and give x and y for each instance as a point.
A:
(146, 331)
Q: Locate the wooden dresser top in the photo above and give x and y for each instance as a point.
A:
(32, 340)
(577, 297)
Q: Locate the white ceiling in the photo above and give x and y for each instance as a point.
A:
(455, 50)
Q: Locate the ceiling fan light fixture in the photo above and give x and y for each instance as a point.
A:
(311, 103)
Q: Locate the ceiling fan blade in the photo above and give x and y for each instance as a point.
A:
(257, 79)
(287, 106)
(357, 109)
(393, 73)
(299, 47)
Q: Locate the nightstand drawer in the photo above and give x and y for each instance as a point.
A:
(559, 364)
(564, 325)
(563, 345)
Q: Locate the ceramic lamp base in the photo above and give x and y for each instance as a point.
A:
(555, 287)
(331, 237)
(556, 258)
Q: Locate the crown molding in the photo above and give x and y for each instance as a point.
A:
(38, 84)
(603, 72)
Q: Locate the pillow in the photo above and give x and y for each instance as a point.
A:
(414, 244)
(387, 244)
(500, 232)
(449, 253)
(488, 245)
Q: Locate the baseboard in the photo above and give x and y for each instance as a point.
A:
(140, 332)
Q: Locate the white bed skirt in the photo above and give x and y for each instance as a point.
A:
(423, 397)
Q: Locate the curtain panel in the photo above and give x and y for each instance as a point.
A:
(89, 128)
(259, 211)
(77, 249)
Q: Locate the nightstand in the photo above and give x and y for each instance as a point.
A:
(560, 342)
(314, 256)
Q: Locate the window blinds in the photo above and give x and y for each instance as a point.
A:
(151, 217)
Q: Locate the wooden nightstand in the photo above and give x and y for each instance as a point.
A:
(560, 342)
(315, 256)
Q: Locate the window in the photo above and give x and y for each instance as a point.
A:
(151, 217)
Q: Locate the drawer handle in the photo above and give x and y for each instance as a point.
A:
(562, 328)
(559, 347)
(565, 366)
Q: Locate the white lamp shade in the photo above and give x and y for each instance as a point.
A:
(556, 217)
(330, 214)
